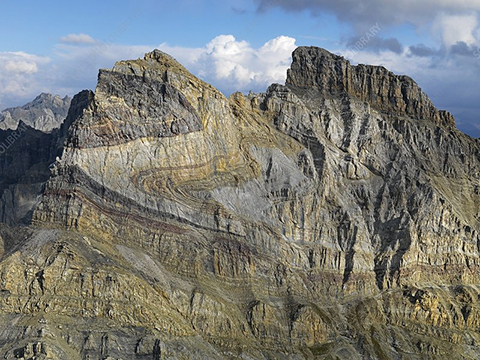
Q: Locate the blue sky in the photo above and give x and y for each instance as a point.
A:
(58, 46)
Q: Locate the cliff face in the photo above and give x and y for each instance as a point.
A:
(382, 89)
(26, 153)
(333, 217)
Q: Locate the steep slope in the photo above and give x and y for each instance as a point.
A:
(26, 154)
(333, 217)
(45, 113)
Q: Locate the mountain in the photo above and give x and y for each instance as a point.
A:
(45, 113)
(333, 217)
(26, 152)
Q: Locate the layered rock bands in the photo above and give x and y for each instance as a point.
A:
(334, 217)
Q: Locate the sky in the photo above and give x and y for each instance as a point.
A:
(58, 46)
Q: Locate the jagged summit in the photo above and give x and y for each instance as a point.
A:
(381, 88)
(154, 63)
(158, 98)
(159, 66)
(44, 97)
(45, 113)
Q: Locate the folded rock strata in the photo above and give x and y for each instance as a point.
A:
(336, 216)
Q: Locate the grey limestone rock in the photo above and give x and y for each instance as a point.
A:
(333, 217)
(334, 75)
(45, 113)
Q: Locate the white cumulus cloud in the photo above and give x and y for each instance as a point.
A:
(458, 28)
(20, 76)
(21, 67)
(235, 65)
(77, 39)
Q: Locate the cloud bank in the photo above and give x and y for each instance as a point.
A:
(362, 14)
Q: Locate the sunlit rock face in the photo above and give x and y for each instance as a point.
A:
(332, 217)
(45, 113)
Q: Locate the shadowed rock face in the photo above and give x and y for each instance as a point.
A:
(28, 149)
(333, 217)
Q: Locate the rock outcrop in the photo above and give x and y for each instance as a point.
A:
(45, 113)
(382, 89)
(335, 217)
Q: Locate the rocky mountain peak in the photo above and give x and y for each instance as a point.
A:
(154, 64)
(381, 88)
(161, 67)
(43, 97)
(44, 113)
(157, 97)
(47, 98)
(163, 59)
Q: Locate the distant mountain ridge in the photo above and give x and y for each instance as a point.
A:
(45, 113)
